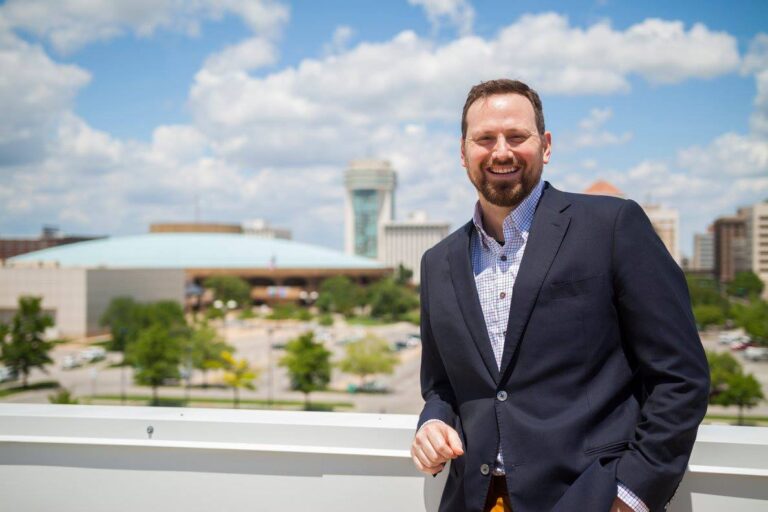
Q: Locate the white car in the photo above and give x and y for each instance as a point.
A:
(756, 354)
(7, 374)
(71, 362)
(92, 354)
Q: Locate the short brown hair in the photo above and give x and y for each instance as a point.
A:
(503, 86)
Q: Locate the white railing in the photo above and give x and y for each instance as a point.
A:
(83, 458)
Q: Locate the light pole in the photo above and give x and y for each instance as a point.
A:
(270, 332)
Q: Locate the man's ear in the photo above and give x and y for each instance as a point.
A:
(463, 156)
(547, 152)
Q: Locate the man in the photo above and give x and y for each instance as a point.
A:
(561, 366)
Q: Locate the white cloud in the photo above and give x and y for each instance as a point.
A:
(756, 59)
(591, 134)
(729, 155)
(340, 39)
(323, 109)
(458, 13)
(70, 24)
(34, 91)
(244, 56)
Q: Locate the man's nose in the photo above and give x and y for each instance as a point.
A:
(502, 150)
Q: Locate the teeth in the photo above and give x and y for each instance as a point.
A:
(502, 170)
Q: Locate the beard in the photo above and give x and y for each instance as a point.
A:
(507, 194)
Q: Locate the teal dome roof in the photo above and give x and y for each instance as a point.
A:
(196, 250)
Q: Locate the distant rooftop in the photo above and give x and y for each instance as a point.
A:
(196, 250)
(603, 188)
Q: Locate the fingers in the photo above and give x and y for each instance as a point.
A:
(434, 445)
(454, 441)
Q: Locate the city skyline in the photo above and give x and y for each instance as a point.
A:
(117, 117)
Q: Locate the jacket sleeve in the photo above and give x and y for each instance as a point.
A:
(659, 332)
(436, 389)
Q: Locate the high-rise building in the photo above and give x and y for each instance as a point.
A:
(666, 222)
(756, 235)
(370, 203)
(404, 243)
(730, 235)
(704, 251)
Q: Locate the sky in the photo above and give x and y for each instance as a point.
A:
(116, 114)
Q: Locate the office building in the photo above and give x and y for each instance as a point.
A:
(370, 203)
(666, 222)
(704, 251)
(730, 235)
(404, 243)
(756, 238)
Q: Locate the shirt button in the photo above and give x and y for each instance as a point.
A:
(503, 257)
(501, 396)
(502, 295)
(485, 469)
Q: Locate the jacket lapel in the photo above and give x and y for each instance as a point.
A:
(465, 289)
(547, 231)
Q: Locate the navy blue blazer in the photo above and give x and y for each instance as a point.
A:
(604, 373)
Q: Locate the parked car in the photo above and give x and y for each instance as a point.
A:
(756, 354)
(7, 374)
(91, 355)
(731, 337)
(741, 345)
(70, 362)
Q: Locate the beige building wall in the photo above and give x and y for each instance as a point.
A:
(756, 218)
(405, 242)
(77, 297)
(62, 290)
(666, 222)
(142, 285)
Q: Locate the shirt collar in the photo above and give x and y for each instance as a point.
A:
(520, 218)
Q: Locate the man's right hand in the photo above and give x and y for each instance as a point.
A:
(435, 444)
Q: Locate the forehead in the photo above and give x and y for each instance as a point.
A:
(507, 110)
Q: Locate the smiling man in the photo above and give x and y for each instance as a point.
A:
(561, 366)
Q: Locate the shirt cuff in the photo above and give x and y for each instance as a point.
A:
(433, 420)
(630, 498)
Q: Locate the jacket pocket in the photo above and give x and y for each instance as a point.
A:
(615, 446)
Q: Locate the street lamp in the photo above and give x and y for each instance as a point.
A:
(270, 332)
(225, 307)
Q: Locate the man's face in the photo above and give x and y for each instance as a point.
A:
(503, 152)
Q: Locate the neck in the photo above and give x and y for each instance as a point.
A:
(493, 218)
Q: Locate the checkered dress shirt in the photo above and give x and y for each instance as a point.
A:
(495, 267)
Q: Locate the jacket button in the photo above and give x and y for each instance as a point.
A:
(485, 469)
(501, 395)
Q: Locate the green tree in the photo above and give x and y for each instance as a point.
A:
(238, 374)
(26, 349)
(403, 275)
(226, 288)
(156, 356)
(753, 317)
(205, 349)
(745, 284)
(721, 366)
(704, 290)
(707, 314)
(338, 294)
(742, 391)
(123, 316)
(389, 301)
(368, 356)
(309, 365)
